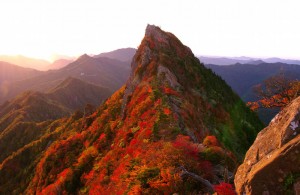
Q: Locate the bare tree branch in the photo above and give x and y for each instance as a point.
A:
(205, 182)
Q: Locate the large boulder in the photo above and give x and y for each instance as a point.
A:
(272, 164)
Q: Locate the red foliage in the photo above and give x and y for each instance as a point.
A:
(170, 91)
(167, 111)
(133, 142)
(224, 189)
(142, 98)
(88, 176)
(158, 102)
(183, 143)
(102, 136)
(143, 125)
(148, 132)
(148, 114)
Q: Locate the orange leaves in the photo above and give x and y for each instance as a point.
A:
(253, 105)
(86, 155)
(136, 189)
(168, 181)
(211, 140)
(277, 92)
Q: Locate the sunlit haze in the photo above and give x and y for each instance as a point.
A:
(46, 28)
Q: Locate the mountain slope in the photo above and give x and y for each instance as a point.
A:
(156, 135)
(104, 72)
(74, 93)
(22, 119)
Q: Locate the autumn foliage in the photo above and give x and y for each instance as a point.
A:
(275, 92)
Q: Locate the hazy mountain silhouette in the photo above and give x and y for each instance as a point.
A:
(124, 54)
(244, 60)
(26, 62)
(11, 73)
(58, 64)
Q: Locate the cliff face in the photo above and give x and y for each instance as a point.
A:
(272, 164)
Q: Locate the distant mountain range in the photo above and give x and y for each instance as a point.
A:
(101, 71)
(58, 64)
(26, 62)
(12, 73)
(124, 54)
(244, 60)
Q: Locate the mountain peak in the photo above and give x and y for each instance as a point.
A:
(84, 57)
(155, 32)
(158, 39)
(156, 45)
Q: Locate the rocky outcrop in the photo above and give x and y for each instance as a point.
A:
(272, 164)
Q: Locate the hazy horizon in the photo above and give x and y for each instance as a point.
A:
(58, 57)
(47, 29)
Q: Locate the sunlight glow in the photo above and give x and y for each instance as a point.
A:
(43, 28)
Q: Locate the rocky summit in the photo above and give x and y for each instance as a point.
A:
(272, 164)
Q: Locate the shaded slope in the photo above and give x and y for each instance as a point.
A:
(151, 134)
(21, 119)
(74, 93)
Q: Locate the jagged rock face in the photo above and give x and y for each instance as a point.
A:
(272, 164)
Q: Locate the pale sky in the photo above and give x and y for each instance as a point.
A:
(44, 28)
